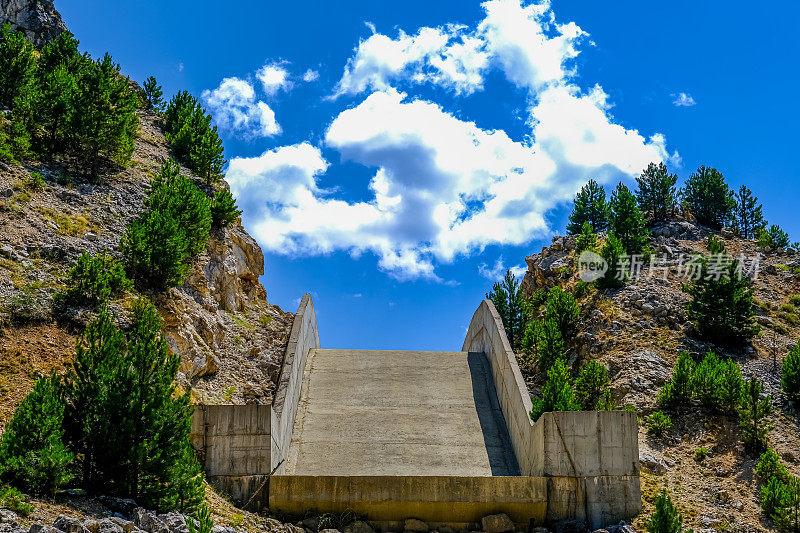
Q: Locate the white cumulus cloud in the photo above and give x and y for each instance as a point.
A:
(683, 100)
(442, 187)
(310, 75)
(236, 109)
(274, 77)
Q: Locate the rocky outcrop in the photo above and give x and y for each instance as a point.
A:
(37, 19)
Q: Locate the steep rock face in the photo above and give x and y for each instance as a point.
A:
(38, 19)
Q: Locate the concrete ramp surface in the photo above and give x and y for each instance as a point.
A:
(399, 413)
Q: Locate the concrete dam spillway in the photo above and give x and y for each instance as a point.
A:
(444, 437)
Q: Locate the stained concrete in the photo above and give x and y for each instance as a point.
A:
(398, 413)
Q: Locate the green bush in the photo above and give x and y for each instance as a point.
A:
(13, 499)
(589, 206)
(773, 237)
(36, 181)
(32, 452)
(700, 454)
(721, 306)
(616, 258)
(557, 393)
(679, 389)
(582, 289)
(715, 245)
(591, 385)
(543, 339)
(658, 423)
(665, 518)
(586, 239)
(223, 209)
(790, 374)
(769, 466)
(201, 522)
(754, 408)
(563, 309)
(787, 515)
(773, 494)
(708, 197)
(655, 191)
(93, 280)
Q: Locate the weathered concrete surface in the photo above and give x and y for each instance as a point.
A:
(398, 413)
(439, 500)
(233, 445)
(303, 338)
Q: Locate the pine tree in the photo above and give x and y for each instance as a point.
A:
(57, 104)
(153, 95)
(627, 221)
(678, 390)
(107, 122)
(721, 305)
(591, 384)
(207, 156)
(153, 422)
(708, 197)
(589, 206)
(557, 393)
(155, 250)
(223, 209)
(665, 518)
(90, 421)
(773, 237)
(790, 374)
(656, 191)
(507, 299)
(748, 214)
(562, 308)
(17, 68)
(754, 408)
(586, 240)
(33, 455)
(543, 339)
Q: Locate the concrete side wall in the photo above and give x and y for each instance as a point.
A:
(451, 500)
(486, 334)
(303, 337)
(233, 443)
(590, 458)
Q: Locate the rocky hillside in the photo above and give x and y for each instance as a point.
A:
(638, 331)
(230, 338)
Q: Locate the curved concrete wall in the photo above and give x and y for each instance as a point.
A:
(303, 337)
(590, 458)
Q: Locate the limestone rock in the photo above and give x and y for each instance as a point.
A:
(149, 522)
(38, 20)
(417, 526)
(69, 525)
(39, 528)
(497, 523)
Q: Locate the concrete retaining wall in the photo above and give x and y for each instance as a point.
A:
(590, 459)
(240, 445)
(438, 500)
(303, 337)
(233, 444)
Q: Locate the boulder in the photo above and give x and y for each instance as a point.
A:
(497, 523)
(69, 525)
(40, 528)
(417, 526)
(109, 526)
(149, 522)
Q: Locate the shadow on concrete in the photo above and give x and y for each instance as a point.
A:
(502, 460)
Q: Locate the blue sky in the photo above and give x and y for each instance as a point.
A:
(391, 156)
